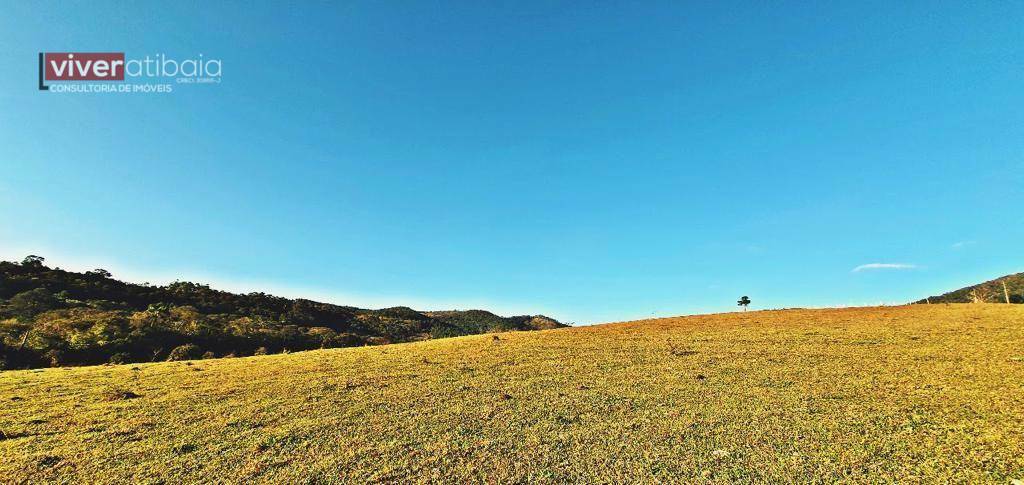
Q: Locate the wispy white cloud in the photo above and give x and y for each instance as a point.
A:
(873, 266)
(962, 244)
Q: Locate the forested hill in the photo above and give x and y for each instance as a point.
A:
(994, 291)
(51, 317)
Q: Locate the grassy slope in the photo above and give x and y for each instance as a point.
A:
(990, 291)
(932, 392)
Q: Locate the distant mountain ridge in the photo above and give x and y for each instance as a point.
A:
(999, 290)
(50, 316)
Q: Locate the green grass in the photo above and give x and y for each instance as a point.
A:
(913, 394)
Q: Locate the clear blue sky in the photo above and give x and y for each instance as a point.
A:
(594, 163)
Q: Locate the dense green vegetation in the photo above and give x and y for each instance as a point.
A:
(52, 317)
(999, 290)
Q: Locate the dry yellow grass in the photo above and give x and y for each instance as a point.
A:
(923, 393)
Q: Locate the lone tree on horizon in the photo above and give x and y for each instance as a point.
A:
(743, 302)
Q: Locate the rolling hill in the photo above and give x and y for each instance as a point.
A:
(52, 317)
(1006, 289)
(919, 393)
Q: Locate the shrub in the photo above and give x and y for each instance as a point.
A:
(54, 357)
(28, 304)
(185, 352)
(119, 358)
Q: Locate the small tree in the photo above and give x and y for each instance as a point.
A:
(33, 260)
(99, 272)
(743, 302)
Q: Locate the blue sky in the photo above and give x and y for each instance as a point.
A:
(592, 161)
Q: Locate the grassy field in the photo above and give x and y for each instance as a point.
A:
(919, 393)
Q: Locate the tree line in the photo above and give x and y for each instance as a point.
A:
(52, 317)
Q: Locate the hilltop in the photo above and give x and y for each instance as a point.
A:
(919, 393)
(52, 317)
(999, 290)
